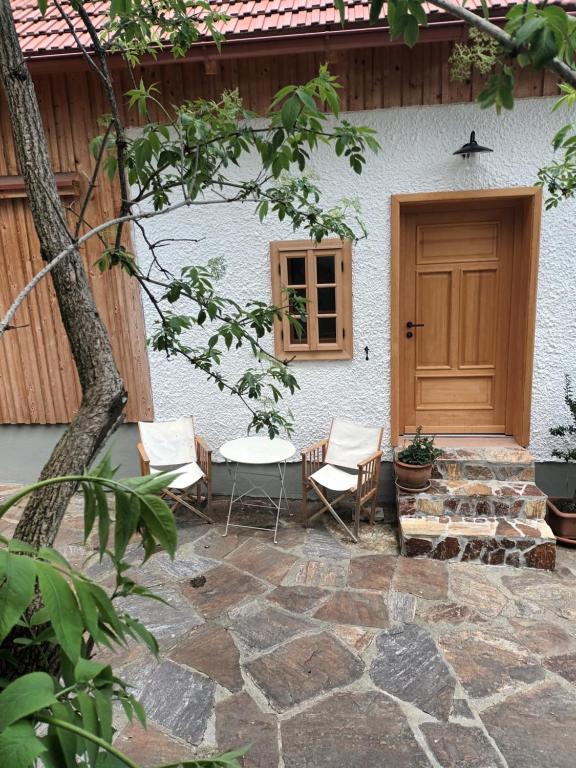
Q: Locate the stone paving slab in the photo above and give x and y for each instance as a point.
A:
(489, 663)
(372, 572)
(410, 666)
(488, 650)
(224, 588)
(360, 609)
(179, 700)
(264, 561)
(303, 669)
(457, 746)
(265, 627)
(535, 728)
(351, 730)
(298, 599)
(211, 650)
(240, 721)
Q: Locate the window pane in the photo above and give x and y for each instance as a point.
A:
(299, 335)
(325, 270)
(297, 270)
(326, 300)
(327, 330)
(296, 306)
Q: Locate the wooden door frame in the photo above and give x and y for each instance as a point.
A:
(527, 204)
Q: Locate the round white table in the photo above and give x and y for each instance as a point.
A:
(255, 451)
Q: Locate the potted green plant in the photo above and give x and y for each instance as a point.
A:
(413, 463)
(562, 509)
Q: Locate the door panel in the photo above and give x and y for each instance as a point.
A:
(455, 280)
(478, 314)
(434, 302)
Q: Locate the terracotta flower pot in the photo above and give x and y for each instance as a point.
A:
(563, 524)
(414, 477)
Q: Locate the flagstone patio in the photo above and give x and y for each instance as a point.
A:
(322, 653)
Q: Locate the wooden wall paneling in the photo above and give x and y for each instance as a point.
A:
(528, 83)
(118, 296)
(550, 84)
(432, 76)
(356, 81)
(395, 79)
(13, 373)
(413, 79)
(374, 79)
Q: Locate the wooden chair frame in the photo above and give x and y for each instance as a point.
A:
(204, 460)
(313, 458)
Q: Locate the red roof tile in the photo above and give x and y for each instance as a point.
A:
(49, 35)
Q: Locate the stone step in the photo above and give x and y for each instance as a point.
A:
(514, 464)
(475, 498)
(494, 541)
(485, 463)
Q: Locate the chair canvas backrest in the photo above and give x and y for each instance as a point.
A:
(350, 443)
(169, 443)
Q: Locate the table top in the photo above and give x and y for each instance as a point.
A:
(257, 450)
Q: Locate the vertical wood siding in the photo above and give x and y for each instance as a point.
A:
(38, 384)
(38, 381)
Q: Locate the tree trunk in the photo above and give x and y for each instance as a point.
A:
(103, 394)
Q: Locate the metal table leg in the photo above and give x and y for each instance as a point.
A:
(281, 466)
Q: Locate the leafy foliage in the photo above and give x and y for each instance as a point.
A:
(420, 450)
(196, 152)
(568, 431)
(480, 52)
(539, 34)
(74, 698)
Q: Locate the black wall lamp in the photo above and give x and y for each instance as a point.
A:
(471, 148)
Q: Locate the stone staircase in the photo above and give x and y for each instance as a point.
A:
(482, 506)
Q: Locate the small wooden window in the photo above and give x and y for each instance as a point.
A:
(322, 274)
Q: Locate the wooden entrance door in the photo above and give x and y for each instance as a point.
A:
(456, 294)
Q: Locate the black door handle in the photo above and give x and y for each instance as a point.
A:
(410, 324)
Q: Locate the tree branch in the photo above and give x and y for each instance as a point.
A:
(501, 36)
(92, 233)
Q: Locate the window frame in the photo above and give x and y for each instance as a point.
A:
(313, 349)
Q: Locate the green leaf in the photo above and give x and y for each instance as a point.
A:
(102, 699)
(68, 741)
(19, 746)
(62, 605)
(86, 670)
(544, 47)
(24, 696)
(339, 5)
(87, 707)
(88, 607)
(18, 577)
(160, 521)
(289, 113)
(103, 519)
(127, 514)
(89, 510)
(527, 30)
(411, 31)
(375, 9)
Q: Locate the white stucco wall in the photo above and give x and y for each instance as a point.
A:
(416, 156)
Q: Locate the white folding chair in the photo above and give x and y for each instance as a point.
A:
(347, 463)
(174, 445)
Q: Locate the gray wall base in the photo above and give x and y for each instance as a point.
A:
(24, 450)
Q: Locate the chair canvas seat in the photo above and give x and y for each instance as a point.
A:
(335, 479)
(172, 446)
(188, 474)
(346, 463)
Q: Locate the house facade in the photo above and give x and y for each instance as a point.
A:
(454, 312)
